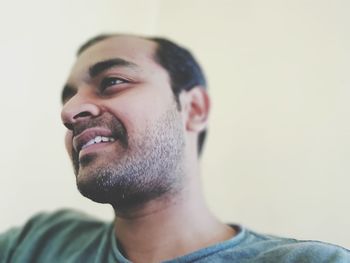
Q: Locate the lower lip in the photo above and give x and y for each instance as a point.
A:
(94, 147)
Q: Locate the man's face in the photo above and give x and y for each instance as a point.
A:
(125, 134)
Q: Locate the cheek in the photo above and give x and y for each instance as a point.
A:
(133, 114)
(68, 142)
(141, 107)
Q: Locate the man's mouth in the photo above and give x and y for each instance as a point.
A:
(92, 136)
(98, 139)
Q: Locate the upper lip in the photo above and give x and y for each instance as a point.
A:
(82, 138)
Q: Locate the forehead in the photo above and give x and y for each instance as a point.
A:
(129, 48)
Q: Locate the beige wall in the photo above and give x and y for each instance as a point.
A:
(277, 157)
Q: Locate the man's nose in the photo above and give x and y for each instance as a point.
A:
(78, 108)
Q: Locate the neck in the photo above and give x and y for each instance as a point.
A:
(169, 227)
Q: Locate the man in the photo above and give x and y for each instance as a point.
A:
(136, 113)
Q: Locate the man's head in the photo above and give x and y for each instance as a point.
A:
(184, 71)
(129, 139)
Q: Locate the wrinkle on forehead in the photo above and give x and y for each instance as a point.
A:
(130, 48)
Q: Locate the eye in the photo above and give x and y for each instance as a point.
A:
(111, 82)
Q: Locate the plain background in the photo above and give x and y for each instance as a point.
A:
(277, 156)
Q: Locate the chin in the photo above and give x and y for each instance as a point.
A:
(122, 188)
(122, 197)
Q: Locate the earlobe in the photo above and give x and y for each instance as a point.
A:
(196, 109)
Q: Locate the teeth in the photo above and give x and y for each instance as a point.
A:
(88, 143)
(98, 139)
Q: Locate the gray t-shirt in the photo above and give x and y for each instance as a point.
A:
(68, 236)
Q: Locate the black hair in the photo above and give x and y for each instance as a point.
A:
(184, 71)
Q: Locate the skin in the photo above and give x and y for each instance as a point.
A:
(176, 220)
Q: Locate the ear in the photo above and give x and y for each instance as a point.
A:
(196, 105)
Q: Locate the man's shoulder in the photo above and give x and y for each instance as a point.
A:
(52, 231)
(255, 247)
(293, 250)
(63, 218)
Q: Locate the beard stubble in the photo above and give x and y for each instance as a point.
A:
(149, 166)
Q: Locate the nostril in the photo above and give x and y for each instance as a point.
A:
(69, 126)
(82, 114)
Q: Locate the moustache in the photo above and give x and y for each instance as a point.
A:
(111, 123)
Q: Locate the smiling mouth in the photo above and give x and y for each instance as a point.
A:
(93, 136)
(98, 139)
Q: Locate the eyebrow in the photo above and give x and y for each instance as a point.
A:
(101, 66)
(95, 70)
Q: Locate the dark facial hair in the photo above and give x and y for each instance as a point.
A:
(149, 167)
